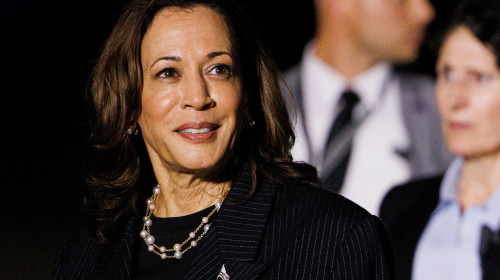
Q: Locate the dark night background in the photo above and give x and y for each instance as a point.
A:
(47, 53)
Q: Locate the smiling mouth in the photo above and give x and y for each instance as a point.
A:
(197, 130)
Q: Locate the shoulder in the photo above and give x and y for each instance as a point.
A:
(292, 78)
(413, 191)
(343, 237)
(412, 200)
(81, 256)
(76, 254)
(418, 86)
(415, 79)
(319, 207)
(293, 72)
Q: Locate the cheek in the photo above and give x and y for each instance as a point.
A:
(490, 116)
(229, 97)
(156, 102)
(440, 100)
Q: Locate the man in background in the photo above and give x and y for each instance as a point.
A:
(363, 125)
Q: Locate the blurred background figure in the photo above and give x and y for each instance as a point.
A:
(446, 227)
(363, 125)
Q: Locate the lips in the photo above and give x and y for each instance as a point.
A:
(197, 132)
(458, 126)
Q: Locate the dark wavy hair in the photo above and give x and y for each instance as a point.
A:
(482, 18)
(118, 170)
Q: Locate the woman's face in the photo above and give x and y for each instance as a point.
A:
(191, 96)
(468, 95)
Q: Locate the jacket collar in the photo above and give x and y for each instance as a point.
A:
(237, 234)
(242, 225)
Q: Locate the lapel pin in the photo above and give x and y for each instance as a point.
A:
(223, 274)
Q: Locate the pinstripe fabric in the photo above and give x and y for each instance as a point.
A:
(282, 232)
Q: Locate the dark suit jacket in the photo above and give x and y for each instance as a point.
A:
(406, 210)
(283, 232)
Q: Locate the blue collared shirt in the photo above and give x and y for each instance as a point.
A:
(449, 246)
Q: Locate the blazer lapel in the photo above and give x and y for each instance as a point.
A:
(236, 235)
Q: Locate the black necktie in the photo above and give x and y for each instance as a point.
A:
(334, 178)
(490, 253)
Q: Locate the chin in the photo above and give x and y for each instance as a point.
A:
(404, 55)
(194, 166)
(468, 151)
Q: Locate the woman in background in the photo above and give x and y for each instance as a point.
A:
(436, 224)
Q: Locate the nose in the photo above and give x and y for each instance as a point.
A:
(457, 95)
(196, 93)
(423, 11)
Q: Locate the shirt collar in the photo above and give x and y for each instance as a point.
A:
(369, 85)
(451, 180)
(372, 83)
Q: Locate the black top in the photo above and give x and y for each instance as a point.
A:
(167, 232)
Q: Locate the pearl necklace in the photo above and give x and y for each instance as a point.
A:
(177, 248)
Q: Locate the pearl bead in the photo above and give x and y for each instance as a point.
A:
(177, 255)
(177, 247)
(156, 190)
(150, 239)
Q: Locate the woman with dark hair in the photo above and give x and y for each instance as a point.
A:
(189, 173)
(443, 227)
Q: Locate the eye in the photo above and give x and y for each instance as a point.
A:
(480, 77)
(445, 73)
(167, 73)
(221, 70)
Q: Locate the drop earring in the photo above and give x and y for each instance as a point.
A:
(132, 130)
(250, 122)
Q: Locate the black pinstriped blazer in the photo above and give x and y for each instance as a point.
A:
(283, 232)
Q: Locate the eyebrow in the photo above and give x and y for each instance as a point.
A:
(177, 59)
(172, 58)
(215, 54)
